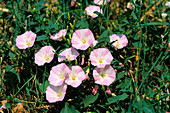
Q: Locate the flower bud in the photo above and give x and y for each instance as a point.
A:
(68, 16)
(70, 36)
(94, 91)
(108, 91)
(68, 41)
(71, 25)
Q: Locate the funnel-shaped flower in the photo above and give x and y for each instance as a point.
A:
(120, 40)
(75, 76)
(25, 40)
(58, 36)
(104, 76)
(82, 39)
(108, 91)
(100, 2)
(69, 54)
(3, 106)
(91, 9)
(58, 74)
(55, 93)
(44, 55)
(94, 91)
(167, 4)
(100, 57)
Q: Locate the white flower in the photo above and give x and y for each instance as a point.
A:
(164, 15)
(167, 4)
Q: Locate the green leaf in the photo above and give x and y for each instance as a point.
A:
(69, 109)
(7, 105)
(12, 55)
(90, 99)
(82, 24)
(42, 37)
(103, 36)
(134, 16)
(44, 86)
(120, 75)
(40, 3)
(117, 98)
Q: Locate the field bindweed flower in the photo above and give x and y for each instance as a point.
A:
(108, 91)
(58, 36)
(91, 9)
(75, 76)
(44, 55)
(120, 40)
(94, 91)
(164, 15)
(167, 4)
(69, 54)
(25, 40)
(129, 5)
(82, 39)
(101, 2)
(56, 93)
(3, 106)
(100, 57)
(104, 76)
(58, 74)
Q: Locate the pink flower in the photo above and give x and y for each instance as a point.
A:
(129, 5)
(87, 72)
(3, 106)
(55, 93)
(58, 36)
(75, 76)
(100, 57)
(108, 91)
(82, 39)
(91, 9)
(58, 74)
(100, 2)
(82, 60)
(104, 76)
(69, 54)
(44, 55)
(25, 40)
(94, 91)
(162, 36)
(120, 40)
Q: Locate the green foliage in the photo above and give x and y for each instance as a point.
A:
(140, 86)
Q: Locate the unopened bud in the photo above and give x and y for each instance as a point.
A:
(70, 36)
(74, 22)
(68, 16)
(157, 97)
(44, 19)
(71, 25)
(67, 27)
(64, 37)
(68, 41)
(85, 12)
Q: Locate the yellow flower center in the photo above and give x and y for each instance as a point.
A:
(28, 43)
(47, 58)
(100, 61)
(59, 94)
(103, 75)
(84, 41)
(63, 77)
(73, 78)
(117, 44)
